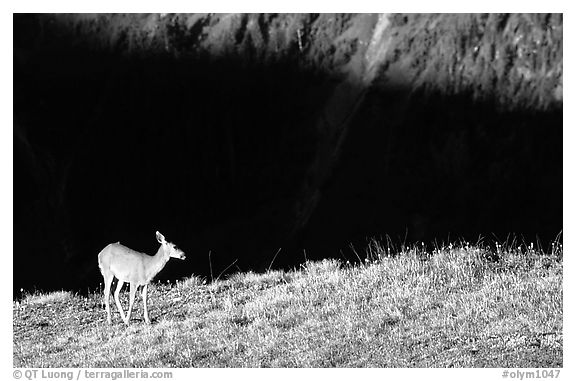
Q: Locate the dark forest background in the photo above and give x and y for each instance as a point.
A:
(238, 136)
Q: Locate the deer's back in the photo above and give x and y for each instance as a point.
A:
(124, 263)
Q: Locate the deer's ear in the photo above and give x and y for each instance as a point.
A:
(160, 237)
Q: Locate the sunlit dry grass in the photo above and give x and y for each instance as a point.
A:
(461, 306)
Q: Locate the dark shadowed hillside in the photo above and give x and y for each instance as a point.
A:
(242, 134)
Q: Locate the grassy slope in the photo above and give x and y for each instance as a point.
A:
(449, 308)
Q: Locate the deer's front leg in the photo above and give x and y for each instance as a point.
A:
(145, 298)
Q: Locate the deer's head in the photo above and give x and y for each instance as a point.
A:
(170, 248)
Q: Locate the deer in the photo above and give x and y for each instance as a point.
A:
(138, 269)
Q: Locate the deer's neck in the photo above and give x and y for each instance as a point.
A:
(157, 263)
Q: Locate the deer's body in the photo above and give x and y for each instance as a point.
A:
(131, 266)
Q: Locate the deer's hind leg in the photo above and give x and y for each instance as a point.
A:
(117, 298)
(108, 277)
